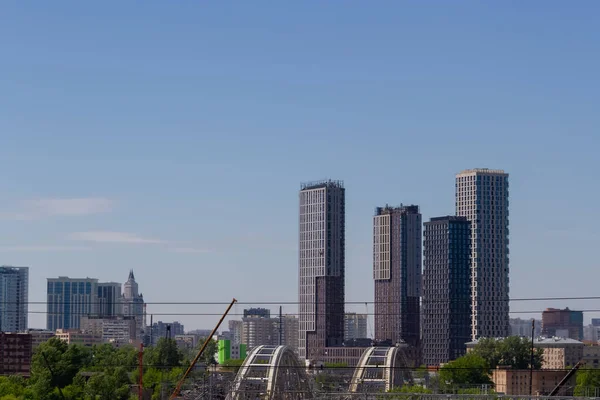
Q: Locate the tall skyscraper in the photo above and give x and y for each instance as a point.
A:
(355, 326)
(133, 303)
(446, 289)
(482, 197)
(563, 323)
(397, 273)
(14, 297)
(70, 299)
(258, 328)
(109, 299)
(321, 267)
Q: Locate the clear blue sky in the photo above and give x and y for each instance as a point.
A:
(171, 137)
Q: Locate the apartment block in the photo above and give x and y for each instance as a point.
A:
(563, 323)
(15, 354)
(14, 298)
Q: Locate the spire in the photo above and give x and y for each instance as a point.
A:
(131, 277)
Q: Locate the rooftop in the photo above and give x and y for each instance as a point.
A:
(540, 340)
(321, 184)
(449, 218)
(482, 171)
(411, 209)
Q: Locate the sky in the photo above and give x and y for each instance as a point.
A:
(171, 138)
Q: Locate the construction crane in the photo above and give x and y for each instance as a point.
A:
(193, 364)
(564, 380)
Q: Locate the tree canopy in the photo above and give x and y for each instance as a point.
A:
(470, 369)
(513, 351)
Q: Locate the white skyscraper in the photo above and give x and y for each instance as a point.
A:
(482, 197)
(321, 267)
(14, 297)
(132, 303)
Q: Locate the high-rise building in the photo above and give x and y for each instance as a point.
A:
(482, 197)
(258, 328)
(397, 274)
(132, 303)
(522, 327)
(69, 299)
(235, 328)
(162, 329)
(109, 299)
(290, 331)
(14, 297)
(446, 289)
(562, 323)
(355, 326)
(321, 267)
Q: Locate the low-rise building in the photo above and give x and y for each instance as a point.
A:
(515, 382)
(116, 329)
(15, 354)
(187, 342)
(76, 336)
(39, 336)
(591, 356)
(227, 350)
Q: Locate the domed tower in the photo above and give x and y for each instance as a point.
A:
(133, 304)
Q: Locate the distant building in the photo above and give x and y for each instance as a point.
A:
(69, 299)
(75, 336)
(482, 197)
(109, 299)
(162, 329)
(322, 266)
(591, 356)
(355, 326)
(591, 333)
(236, 327)
(200, 333)
(596, 321)
(186, 342)
(515, 382)
(290, 331)
(522, 327)
(559, 353)
(562, 323)
(39, 336)
(397, 252)
(14, 298)
(117, 329)
(230, 351)
(133, 304)
(258, 328)
(446, 289)
(15, 352)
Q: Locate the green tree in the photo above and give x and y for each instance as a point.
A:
(165, 354)
(470, 369)
(513, 351)
(12, 386)
(588, 382)
(110, 385)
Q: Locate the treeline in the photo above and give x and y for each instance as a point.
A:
(74, 372)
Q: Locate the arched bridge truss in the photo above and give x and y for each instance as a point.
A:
(381, 369)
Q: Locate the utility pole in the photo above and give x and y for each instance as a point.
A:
(532, 357)
(141, 371)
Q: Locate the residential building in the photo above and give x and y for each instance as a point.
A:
(258, 328)
(109, 299)
(290, 331)
(14, 298)
(230, 351)
(355, 326)
(591, 356)
(15, 354)
(116, 329)
(39, 336)
(200, 333)
(446, 289)
(186, 342)
(522, 327)
(482, 197)
(69, 299)
(162, 329)
(236, 327)
(563, 323)
(75, 336)
(591, 333)
(397, 252)
(515, 382)
(321, 267)
(132, 303)
(596, 321)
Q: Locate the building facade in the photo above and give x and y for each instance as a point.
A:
(14, 298)
(117, 329)
(235, 329)
(321, 267)
(482, 197)
(258, 328)
(516, 382)
(563, 323)
(290, 332)
(355, 326)
(162, 329)
(132, 303)
(69, 299)
(397, 250)
(446, 289)
(109, 299)
(75, 336)
(522, 327)
(226, 350)
(15, 354)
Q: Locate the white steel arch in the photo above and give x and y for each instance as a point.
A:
(271, 372)
(381, 369)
